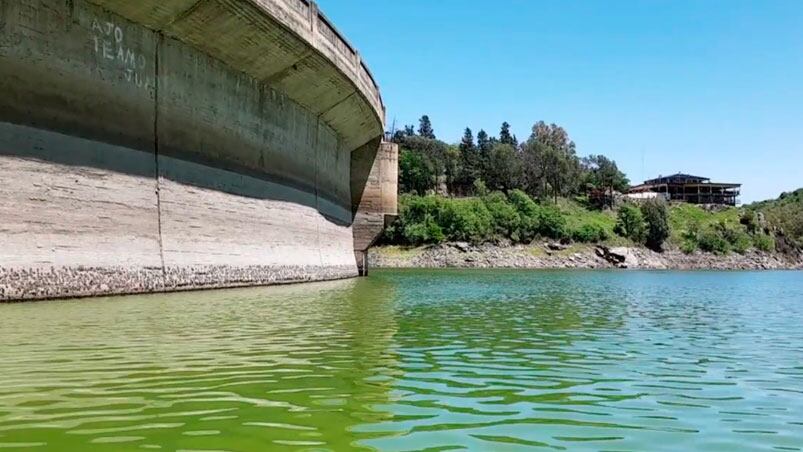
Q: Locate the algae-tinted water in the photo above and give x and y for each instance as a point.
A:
(416, 360)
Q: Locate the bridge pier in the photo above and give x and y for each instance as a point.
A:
(377, 207)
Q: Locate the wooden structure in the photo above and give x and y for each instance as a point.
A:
(691, 189)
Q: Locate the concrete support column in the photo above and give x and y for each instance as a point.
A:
(377, 204)
(362, 262)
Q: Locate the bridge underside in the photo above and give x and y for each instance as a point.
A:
(201, 145)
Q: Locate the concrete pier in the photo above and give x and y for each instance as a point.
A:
(182, 144)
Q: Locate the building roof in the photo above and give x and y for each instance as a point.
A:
(676, 177)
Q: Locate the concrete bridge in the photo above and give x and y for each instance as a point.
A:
(161, 145)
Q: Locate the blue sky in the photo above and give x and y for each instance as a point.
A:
(711, 87)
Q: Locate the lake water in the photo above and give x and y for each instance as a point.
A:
(416, 360)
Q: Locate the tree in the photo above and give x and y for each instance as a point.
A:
(630, 223)
(557, 171)
(422, 164)
(656, 215)
(483, 142)
(415, 172)
(469, 162)
(548, 171)
(401, 134)
(453, 166)
(484, 146)
(506, 138)
(398, 136)
(602, 177)
(550, 162)
(603, 174)
(467, 143)
(533, 181)
(504, 168)
(553, 136)
(425, 128)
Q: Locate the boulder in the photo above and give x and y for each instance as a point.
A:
(620, 257)
(462, 246)
(555, 246)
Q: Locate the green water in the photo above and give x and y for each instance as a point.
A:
(416, 360)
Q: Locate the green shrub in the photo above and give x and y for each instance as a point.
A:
(506, 219)
(750, 221)
(537, 220)
(735, 235)
(712, 241)
(479, 187)
(583, 201)
(785, 215)
(656, 216)
(416, 209)
(467, 220)
(691, 231)
(529, 215)
(516, 216)
(418, 221)
(740, 241)
(764, 242)
(393, 233)
(551, 223)
(722, 237)
(590, 233)
(523, 203)
(689, 246)
(630, 223)
(427, 231)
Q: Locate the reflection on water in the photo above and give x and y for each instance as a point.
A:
(416, 360)
(287, 368)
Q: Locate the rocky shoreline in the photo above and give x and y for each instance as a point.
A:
(558, 256)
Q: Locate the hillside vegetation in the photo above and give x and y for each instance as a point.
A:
(516, 218)
(496, 189)
(785, 216)
(718, 231)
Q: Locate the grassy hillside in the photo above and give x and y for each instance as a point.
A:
(517, 218)
(580, 218)
(784, 215)
(719, 231)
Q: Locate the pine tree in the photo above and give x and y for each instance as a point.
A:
(506, 138)
(425, 128)
(483, 142)
(467, 144)
(469, 162)
(484, 146)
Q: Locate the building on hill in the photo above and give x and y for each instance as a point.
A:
(688, 188)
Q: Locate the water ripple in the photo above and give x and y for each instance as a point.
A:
(416, 360)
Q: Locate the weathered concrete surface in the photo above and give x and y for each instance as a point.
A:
(74, 230)
(139, 154)
(288, 44)
(377, 197)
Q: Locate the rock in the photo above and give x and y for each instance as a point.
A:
(543, 256)
(462, 246)
(762, 221)
(620, 257)
(554, 246)
(621, 254)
